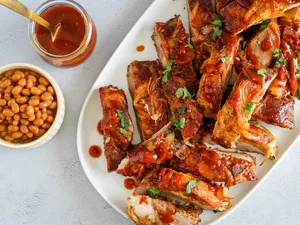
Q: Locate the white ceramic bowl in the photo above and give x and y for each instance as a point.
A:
(59, 114)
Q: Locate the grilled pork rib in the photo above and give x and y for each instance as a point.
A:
(214, 165)
(172, 45)
(233, 118)
(116, 125)
(149, 102)
(238, 17)
(216, 74)
(173, 185)
(143, 210)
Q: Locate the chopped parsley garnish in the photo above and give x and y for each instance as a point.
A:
(281, 61)
(123, 131)
(120, 113)
(225, 59)
(190, 46)
(181, 110)
(218, 22)
(154, 192)
(250, 107)
(264, 24)
(178, 40)
(124, 122)
(297, 65)
(179, 123)
(262, 72)
(216, 33)
(298, 93)
(191, 185)
(183, 92)
(276, 52)
(167, 71)
(125, 102)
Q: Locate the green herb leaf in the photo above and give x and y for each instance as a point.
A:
(297, 65)
(191, 185)
(276, 52)
(124, 122)
(297, 75)
(154, 192)
(167, 71)
(216, 211)
(298, 93)
(178, 40)
(218, 22)
(225, 59)
(120, 113)
(125, 102)
(183, 92)
(216, 33)
(264, 24)
(262, 72)
(190, 46)
(250, 107)
(179, 123)
(181, 110)
(123, 131)
(281, 61)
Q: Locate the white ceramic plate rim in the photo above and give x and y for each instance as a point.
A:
(92, 178)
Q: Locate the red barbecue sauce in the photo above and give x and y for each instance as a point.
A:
(140, 48)
(129, 183)
(69, 36)
(95, 151)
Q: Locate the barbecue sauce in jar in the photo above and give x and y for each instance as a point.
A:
(75, 40)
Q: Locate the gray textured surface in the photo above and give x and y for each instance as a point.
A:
(48, 186)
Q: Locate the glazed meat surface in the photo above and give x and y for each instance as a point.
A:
(116, 125)
(216, 74)
(218, 166)
(233, 118)
(143, 210)
(173, 185)
(151, 107)
(172, 45)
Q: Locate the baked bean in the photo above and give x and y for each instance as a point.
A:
(8, 90)
(10, 102)
(24, 129)
(53, 105)
(7, 97)
(5, 83)
(46, 125)
(35, 91)
(16, 90)
(12, 128)
(51, 90)
(44, 81)
(47, 96)
(9, 73)
(38, 122)
(7, 112)
(26, 92)
(29, 135)
(17, 135)
(25, 137)
(20, 73)
(23, 108)
(44, 116)
(42, 88)
(2, 127)
(41, 132)
(22, 82)
(24, 115)
(2, 102)
(38, 114)
(32, 77)
(1, 90)
(15, 122)
(43, 110)
(33, 129)
(8, 138)
(15, 108)
(30, 111)
(17, 116)
(2, 117)
(22, 100)
(9, 119)
(34, 102)
(16, 77)
(29, 83)
(24, 121)
(50, 119)
(44, 104)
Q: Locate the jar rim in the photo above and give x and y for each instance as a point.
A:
(52, 3)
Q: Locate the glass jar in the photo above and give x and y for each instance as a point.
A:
(85, 48)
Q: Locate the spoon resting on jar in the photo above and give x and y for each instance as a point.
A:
(18, 7)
